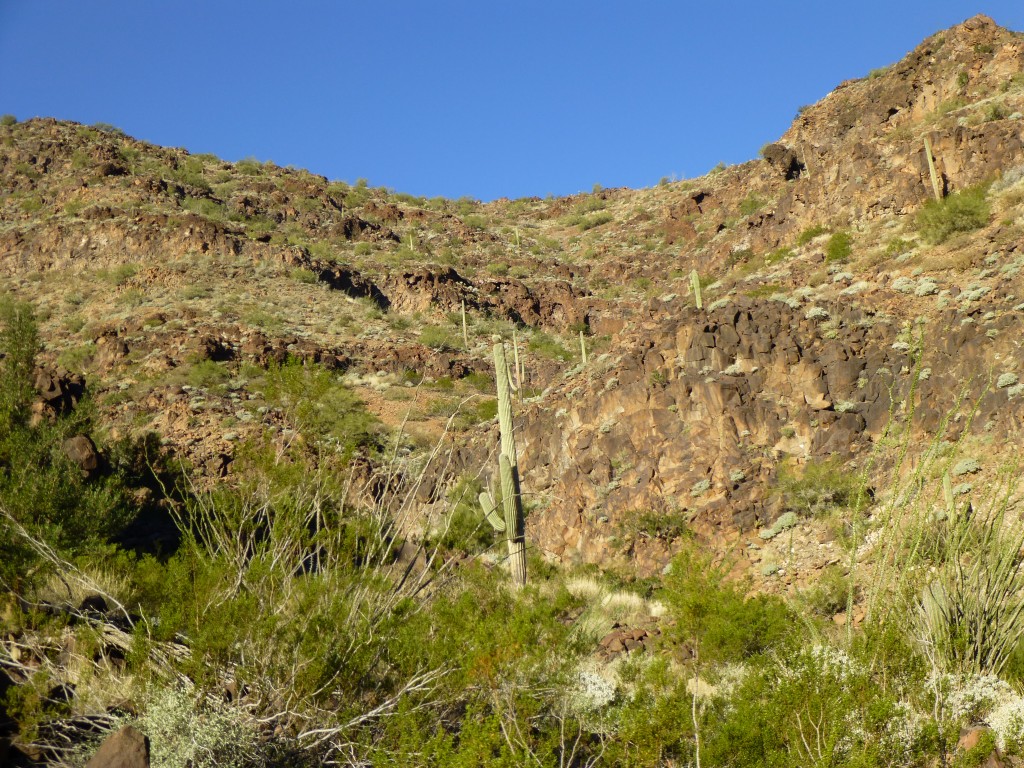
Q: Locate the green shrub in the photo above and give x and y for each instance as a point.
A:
(751, 204)
(32, 204)
(203, 206)
(480, 411)
(839, 247)
(665, 524)
(961, 211)
(968, 616)
(320, 406)
(442, 339)
(820, 487)
(8, 120)
(466, 531)
(303, 275)
(548, 346)
(742, 256)
(714, 618)
(810, 233)
(817, 707)
(108, 128)
(475, 221)
(207, 374)
(41, 490)
(28, 170)
(189, 733)
(898, 246)
(118, 275)
(996, 111)
(779, 254)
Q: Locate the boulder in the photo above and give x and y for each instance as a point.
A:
(126, 748)
(82, 452)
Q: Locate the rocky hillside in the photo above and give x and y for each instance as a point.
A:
(167, 281)
(769, 424)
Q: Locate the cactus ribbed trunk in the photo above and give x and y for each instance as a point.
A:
(508, 465)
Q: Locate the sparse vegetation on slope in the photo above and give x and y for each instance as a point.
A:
(758, 497)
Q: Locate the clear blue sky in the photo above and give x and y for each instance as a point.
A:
(487, 98)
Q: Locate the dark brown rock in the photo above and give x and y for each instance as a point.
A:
(126, 748)
(81, 450)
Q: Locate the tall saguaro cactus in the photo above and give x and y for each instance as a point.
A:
(511, 522)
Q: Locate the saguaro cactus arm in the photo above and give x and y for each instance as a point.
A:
(490, 509)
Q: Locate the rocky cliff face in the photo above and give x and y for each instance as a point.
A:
(824, 308)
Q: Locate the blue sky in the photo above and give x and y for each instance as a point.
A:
(487, 99)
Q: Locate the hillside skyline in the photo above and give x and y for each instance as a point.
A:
(485, 103)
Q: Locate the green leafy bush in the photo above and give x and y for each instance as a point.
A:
(779, 254)
(548, 346)
(839, 247)
(810, 233)
(43, 495)
(320, 406)
(821, 486)
(961, 211)
(751, 204)
(439, 338)
(714, 618)
(818, 707)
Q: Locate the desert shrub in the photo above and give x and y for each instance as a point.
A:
(465, 529)
(654, 727)
(816, 706)
(442, 339)
(204, 206)
(302, 275)
(513, 668)
(8, 120)
(969, 620)
(779, 254)
(32, 204)
(475, 220)
(108, 128)
(810, 233)
(838, 248)
(42, 493)
(479, 411)
(206, 374)
(118, 275)
(249, 166)
(751, 204)
(821, 486)
(667, 524)
(743, 256)
(479, 381)
(548, 346)
(996, 111)
(898, 246)
(714, 618)
(320, 406)
(961, 211)
(190, 733)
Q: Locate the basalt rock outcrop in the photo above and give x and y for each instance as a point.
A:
(697, 417)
